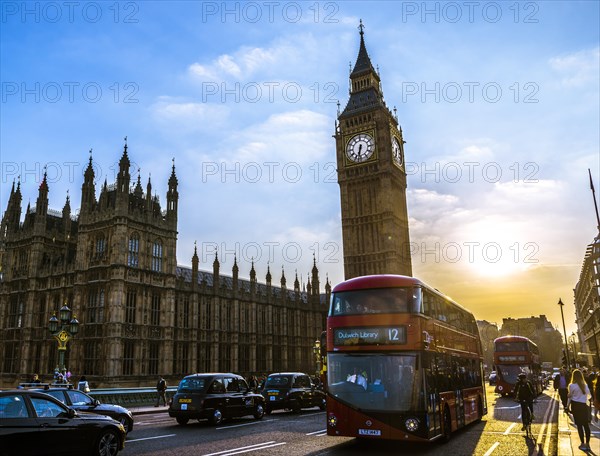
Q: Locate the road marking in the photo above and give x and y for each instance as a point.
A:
(316, 432)
(547, 426)
(246, 449)
(492, 448)
(507, 408)
(244, 424)
(509, 428)
(151, 438)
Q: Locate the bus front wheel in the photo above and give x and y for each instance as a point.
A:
(447, 429)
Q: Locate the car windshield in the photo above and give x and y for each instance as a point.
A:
(375, 382)
(194, 384)
(277, 380)
(376, 301)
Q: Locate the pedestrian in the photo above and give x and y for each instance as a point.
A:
(596, 394)
(561, 383)
(35, 379)
(161, 391)
(83, 385)
(253, 383)
(578, 398)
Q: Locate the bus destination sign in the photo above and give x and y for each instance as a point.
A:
(372, 335)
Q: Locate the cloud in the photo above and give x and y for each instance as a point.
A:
(577, 69)
(184, 115)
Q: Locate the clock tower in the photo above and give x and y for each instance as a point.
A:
(372, 178)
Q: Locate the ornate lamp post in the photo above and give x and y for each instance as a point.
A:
(593, 317)
(63, 329)
(560, 303)
(317, 352)
(573, 340)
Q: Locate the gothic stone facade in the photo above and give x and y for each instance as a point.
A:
(140, 313)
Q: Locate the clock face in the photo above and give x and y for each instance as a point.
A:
(396, 151)
(360, 148)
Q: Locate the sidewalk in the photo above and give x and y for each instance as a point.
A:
(146, 409)
(568, 438)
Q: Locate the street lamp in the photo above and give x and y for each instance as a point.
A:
(560, 303)
(317, 352)
(573, 339)
(593, 317)
(63, 328)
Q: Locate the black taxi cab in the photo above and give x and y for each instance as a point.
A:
(215, 397)
(293, 391)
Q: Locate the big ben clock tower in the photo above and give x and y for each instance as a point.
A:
(372, 178)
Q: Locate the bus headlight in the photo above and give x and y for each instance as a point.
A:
(412, 424)
(332, 420)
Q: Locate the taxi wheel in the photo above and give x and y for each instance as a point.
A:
(216, 417)
(107, 444)
(259, 411)
(182, 421)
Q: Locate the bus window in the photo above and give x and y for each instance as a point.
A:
(376, 301)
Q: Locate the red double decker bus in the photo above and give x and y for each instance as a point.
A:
(403, 361)
(513, 355)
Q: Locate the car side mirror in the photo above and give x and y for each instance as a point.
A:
(71, 413)
(96, 403)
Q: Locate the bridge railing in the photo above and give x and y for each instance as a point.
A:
(129, 397)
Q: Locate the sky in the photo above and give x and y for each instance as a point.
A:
(498, 103)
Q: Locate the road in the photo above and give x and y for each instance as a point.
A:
(289, 434)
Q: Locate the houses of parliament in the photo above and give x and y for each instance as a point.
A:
(141, 314)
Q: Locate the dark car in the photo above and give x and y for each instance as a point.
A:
(293, 391)
(82, 402)
(36, 424)
(215, 397)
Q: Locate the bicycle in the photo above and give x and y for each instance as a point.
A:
(526, 417)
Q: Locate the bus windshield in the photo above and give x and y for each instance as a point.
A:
(510, 372)
(375, 382)
(376, 301)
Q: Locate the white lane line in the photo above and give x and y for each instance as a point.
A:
(508, 408)
(509, 428)
(492, 448)
(243, 424)
(316, 432)
(552, 405)
(151, 438)
(246, 449)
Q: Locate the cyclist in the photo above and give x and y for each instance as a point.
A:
(524, 395)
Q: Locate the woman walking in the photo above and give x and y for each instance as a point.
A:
(578, 401)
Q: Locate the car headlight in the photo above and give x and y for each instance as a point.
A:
(332, 420)
(412, 424)
(500, 388)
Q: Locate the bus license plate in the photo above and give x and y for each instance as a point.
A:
(369, 432)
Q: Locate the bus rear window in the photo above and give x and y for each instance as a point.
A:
(376, 301)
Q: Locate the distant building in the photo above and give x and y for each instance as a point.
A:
(488, 333)
(548, 339)
(140, 313)
(587, 302)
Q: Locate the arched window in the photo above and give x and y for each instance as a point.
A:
(100, 246)
(157, 253)
(133, 251)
